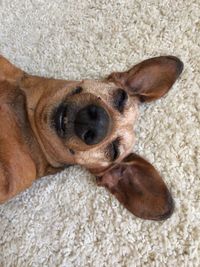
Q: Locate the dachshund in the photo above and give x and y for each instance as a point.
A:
(48, 124)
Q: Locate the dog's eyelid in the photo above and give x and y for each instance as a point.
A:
(120, 99)
(71, 151)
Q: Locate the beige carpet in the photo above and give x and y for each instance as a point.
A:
(66, 220)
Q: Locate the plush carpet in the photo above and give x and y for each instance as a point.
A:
(66, 220)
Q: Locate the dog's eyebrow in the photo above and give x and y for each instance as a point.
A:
(112, 150)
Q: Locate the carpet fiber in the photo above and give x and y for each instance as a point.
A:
(65, 219)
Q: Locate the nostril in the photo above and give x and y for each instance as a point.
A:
(92, 112)
(89, 137)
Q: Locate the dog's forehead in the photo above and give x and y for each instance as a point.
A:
(98, 87)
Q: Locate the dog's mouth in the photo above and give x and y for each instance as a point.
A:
(60, 120)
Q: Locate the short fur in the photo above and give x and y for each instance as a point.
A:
(30, 147)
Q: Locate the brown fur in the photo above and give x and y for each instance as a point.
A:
(30, 147)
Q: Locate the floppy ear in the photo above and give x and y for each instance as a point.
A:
(139, 187)
(150, 79)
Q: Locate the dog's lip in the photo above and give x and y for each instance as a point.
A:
(59, 119)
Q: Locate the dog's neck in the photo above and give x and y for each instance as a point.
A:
(16, 102)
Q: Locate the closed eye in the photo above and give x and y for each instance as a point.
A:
(120, 99)
(112, 150)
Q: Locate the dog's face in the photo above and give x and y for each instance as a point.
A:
(90, 123)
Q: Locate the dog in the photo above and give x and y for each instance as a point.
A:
(48, 124)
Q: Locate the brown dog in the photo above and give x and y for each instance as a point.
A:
(48, 124)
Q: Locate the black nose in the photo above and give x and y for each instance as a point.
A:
(91, 124)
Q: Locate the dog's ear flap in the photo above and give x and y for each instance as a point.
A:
(150, 79)
(139, 187)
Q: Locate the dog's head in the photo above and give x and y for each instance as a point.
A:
(91, 123)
